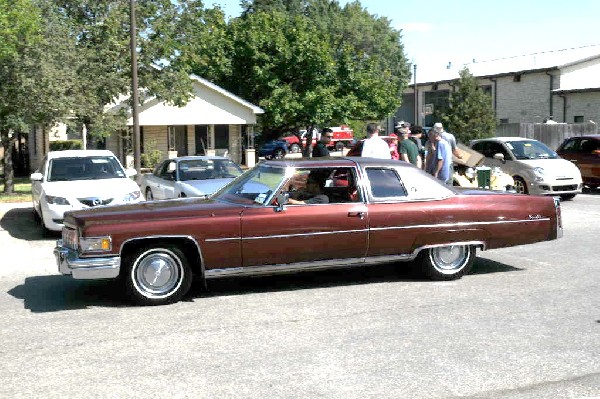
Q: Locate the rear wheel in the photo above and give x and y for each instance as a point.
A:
(520, 185)
(447, 263)
(294, 148)
(157, 276)
(339, 146)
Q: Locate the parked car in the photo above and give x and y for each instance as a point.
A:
(584, 152)
(273, 149)
(535, 168)
(293, 142)
(192, 176)
(79, 179)
(377, 211)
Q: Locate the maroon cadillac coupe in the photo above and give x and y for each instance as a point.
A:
(292, 215)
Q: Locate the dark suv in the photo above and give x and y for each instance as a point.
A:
(584, 151)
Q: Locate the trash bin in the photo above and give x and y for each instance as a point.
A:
(484, 175)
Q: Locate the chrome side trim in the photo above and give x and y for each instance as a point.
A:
(459, 224)
(420, 226)
(282, 268)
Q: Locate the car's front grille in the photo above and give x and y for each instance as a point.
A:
(95, 201)
(69, 238)
(570, 187)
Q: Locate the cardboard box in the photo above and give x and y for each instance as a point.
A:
(470, 158)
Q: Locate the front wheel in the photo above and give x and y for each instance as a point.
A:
(448, 262)
(339, 146)
(294, 148)
(278, 153)
(157, 276)
(567, 197)
(149, 196)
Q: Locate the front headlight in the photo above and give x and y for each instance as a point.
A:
(132, 196)
(95, 244)
(539, 173)
(51, 199)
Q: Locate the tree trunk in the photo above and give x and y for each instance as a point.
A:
(9, 173)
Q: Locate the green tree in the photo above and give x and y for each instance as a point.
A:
(470, 114)
(312, 62)
(19, 30)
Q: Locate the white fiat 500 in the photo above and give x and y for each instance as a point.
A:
(535, 168)
(79, 179)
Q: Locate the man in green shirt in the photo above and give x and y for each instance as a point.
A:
(409, 152)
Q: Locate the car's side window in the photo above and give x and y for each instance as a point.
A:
(571, 146)
(385, 183)
(588, 146)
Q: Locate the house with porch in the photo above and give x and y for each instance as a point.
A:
(213, 122)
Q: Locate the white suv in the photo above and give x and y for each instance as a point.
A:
(535, 168)
(79, 179)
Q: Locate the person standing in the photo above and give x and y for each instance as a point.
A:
(320, 149)
(442, 160)
(416, 135)
(374, 146)
(394, 146)
(449, 137)
(408, 150)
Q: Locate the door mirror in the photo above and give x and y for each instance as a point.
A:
(282, 200)
(499, 157)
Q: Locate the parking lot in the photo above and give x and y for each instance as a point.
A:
(524, 324)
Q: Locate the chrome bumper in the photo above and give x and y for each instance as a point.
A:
(69, 262)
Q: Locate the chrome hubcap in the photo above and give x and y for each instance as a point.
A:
(449, 259)
(157, 274)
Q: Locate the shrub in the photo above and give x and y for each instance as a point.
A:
(62, 145)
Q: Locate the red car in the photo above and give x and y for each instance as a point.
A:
(584, 151)
(368, 211)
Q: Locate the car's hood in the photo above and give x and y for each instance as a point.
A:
(105, 188)
(203, 187)
(151, 210)
(555, 167)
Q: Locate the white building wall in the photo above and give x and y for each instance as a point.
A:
(524, 101)
(585, 104)
(582, 75)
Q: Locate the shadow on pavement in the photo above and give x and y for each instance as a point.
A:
(20, 223)
(54, 293)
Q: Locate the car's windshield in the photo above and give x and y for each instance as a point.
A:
(84, 168)
(202, 169)
(255, 187)
(530, 149)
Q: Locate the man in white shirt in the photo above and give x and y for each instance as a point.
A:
(374, 146)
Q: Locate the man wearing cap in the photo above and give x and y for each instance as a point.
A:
(441, 159)
(409, 152)
(374, 146)
(416, 134)
(449, 137)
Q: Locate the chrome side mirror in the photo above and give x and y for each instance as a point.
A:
(282, 200)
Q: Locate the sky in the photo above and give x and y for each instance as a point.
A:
(436, 32)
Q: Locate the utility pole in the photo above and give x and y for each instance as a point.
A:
(135, 94)
(416, 94)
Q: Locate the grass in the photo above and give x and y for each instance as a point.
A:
(22, 191)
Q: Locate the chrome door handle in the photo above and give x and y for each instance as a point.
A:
(360, 215)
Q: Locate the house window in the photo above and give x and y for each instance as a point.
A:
(503, 120)
(578, 119)
(517, 77)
